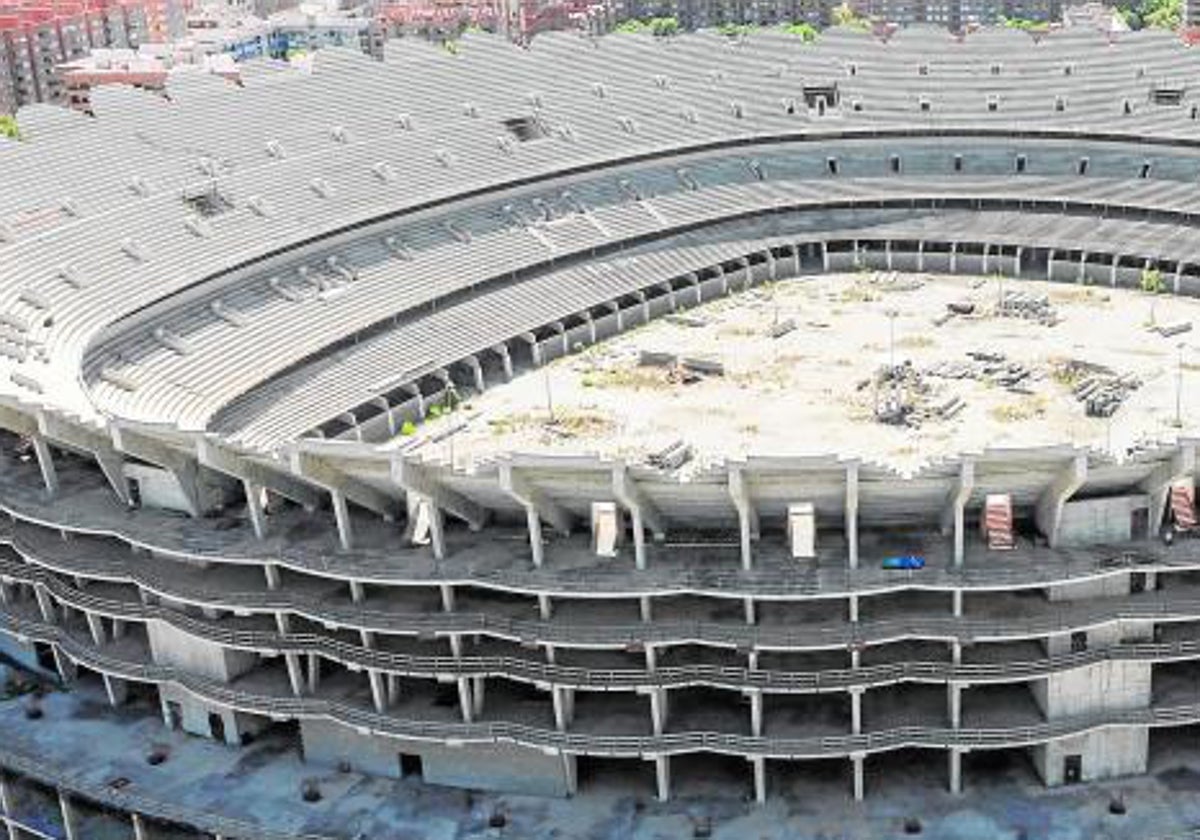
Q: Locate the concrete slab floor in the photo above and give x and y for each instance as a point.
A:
(86, 741)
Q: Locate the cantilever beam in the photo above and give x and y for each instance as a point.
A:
(224, 459)
(748, 525)
(956, 501)
(322, 470)
(1049, 510)
(420, 480)
(626, 491)
(181, 464)
(523, 490)
(81, 438)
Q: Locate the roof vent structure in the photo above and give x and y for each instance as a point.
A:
(138, 186)
(469, 110)
(443, 158)
(258, 206)
(339, 134)
(69, 207)
(599, 90)
(131, 249)
(384, 172)
(274, 150)
(321, 187)
(404, 121)
(527, 128)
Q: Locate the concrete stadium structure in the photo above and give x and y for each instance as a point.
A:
(209, 341)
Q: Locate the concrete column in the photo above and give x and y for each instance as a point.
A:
(920, 255)
(1017, 263)
(751, 613)
(534, 523)
(1175, 277)
(314, 673)
(544, 607)
(953, 257)
(254, 506)
(852, 514)
(45, 464)
(955, 770)
(796, 260)
(658, 710)
(456, 647)
(954, 704)
(7, 803)
(70, 818)
(478, 686)
(571, 773)
(393, 689)
(45, 603)
(378, 692)
(447, 591)
(957, 596)
(501, 350)
(1050, 265)
(824, 257)
(760, 779)
(564, 706)
(856, 694)
(647, 610)
(437, 530)
(857, 760)
(756, 712)
(853, 604)
(140, 831)
(295, 673)
(117, 690)
(341, 511)
(651, 659)
(464, 699)
(645, 303)
(639, 537)
(477, 371)
(956, 652)
(271, 571)
(96, 626)
(1082, 266)
(887, 252)
(67, 670)
(283, 623)
(591, 325)
(357, 593)
(986, 248)
(1112, 273)
(662, 773)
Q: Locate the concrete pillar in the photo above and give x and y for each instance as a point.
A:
(647, 610)
(1082, 266)
(140, 831)
(393, 689)
(1112, 273)
(437, 529)
(651, 659)
(1175, 277)
(955, 770)
(857, 760)
(357, 592)
(957, 596)
(96, 626)
(751, 613)
(117, 690)
(544, 606)
(478, 686)
(662, 773)
(658, 710)
(464, 699)
(295, 673)
(920, 255)
(1050, 265)
(824, 257)
(341, 512)
(956, 652)
(760, 779)
(853, 604)
(534, 523)
(954, 704)
(1017, 263)
(645, 303)
(772, 268)
(7, 803)
(887, 253)
(852, 514)
(69, 817)
(67, 670)
(571, 773)
(856, 694)
(756, 712)
(447, 590)
(45, 464)
(953, 257)
(45, 603)
(283, 623)
(564, 706)
(314, 673)
(505, 359)
(639, 537)
(271, 571)
(456, 647)
(378, 693)
(986, 249)
(477, 371)
(254, 506)
(591, 325)
(795, 260)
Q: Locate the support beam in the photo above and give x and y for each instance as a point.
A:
(45, 463)
(662, 775)
(69, 817)
(1158, 484)
(295, 673)
(857, 760)
(139, 827)
(419, 479)
(181, 464)
(1048, 513)
(117, 690)
(518, 485)
(641, 512)
(75, 436)
(956, 502)
(956, 754)
(220, 457)
(320, 469)
(748, 524)
(760, 779)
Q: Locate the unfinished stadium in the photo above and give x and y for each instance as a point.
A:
(377, 407)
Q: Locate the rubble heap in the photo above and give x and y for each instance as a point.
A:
(1027, 306)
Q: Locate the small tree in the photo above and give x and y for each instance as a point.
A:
(9, 128)
(1152, 281)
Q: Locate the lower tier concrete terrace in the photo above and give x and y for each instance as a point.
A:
(502, 561)
(347, 698)
(256, 790)
(585, 624)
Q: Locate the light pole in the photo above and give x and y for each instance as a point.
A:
(1179, 386)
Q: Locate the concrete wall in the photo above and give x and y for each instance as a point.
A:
(195, 716)
(1110, 586)
(499, 767)
(1102, 686)
(1093, 521)
(1106, 754)
(170, 646)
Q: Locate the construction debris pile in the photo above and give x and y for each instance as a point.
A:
(682, 371)
(1028, 306)
(986, 366)
(1101, 390)
(904, 398)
